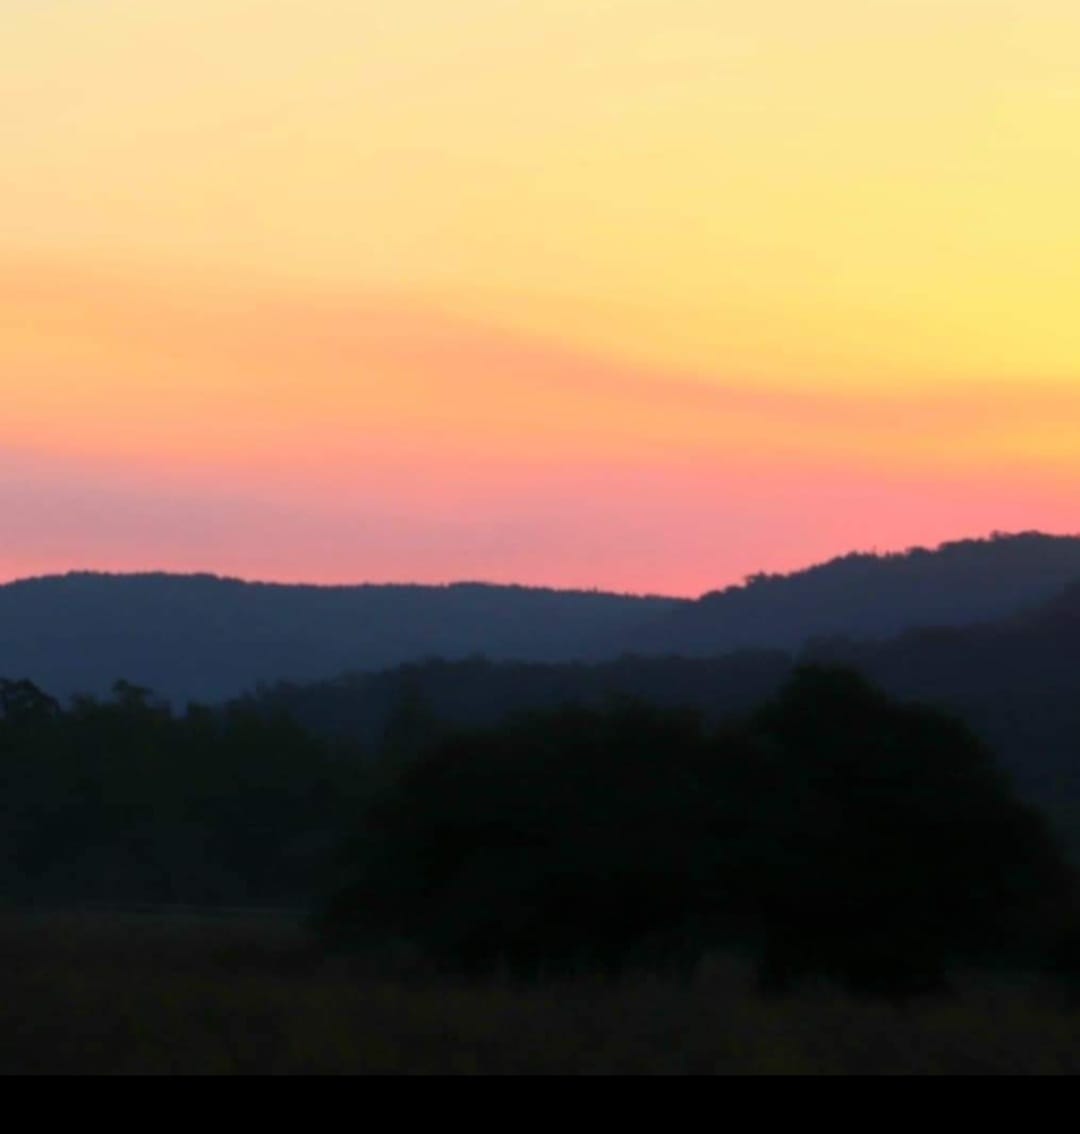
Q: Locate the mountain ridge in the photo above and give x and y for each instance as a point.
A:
(77, 574)
(209, 637)
(867, 594)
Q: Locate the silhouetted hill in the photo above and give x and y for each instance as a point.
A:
(208, 638)
(866, 596)
(398, 703)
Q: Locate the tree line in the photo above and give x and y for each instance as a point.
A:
(120, 800)
(831, 831)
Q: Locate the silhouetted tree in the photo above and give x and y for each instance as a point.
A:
(123, 801)
(893, 844)
(22, 702)
(843, 833)
(573, 838)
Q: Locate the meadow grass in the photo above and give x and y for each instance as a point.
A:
(95, 993)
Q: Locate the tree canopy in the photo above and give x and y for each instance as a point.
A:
(835, 831)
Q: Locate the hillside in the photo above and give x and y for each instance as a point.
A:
(870, 596)
(207, 638)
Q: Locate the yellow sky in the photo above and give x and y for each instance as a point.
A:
(849, 190)
(864, 207)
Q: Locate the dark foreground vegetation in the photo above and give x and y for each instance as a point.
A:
(834, 881)
(185, 994)
(833, 833)
(121, 801)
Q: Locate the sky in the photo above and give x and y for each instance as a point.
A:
(644, 295)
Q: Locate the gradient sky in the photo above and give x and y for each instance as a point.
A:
(637, 294)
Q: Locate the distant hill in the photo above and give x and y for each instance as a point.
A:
(206, 638)
(870, 596)
(476, 692)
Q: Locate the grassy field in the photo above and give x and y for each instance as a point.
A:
(96, 993)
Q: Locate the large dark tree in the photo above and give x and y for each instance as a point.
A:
(571, 838)
(890, 844)
(842, 833)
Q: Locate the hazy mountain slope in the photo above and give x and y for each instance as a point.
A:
(208, 638)
(872, 596)
(478, 692)
(1016, 680)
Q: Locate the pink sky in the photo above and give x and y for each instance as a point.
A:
(643, 295)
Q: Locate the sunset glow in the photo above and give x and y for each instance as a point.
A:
(634, 294)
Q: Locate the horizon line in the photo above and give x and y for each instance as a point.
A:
(995, 536)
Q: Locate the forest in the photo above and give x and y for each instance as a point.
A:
(832, 831)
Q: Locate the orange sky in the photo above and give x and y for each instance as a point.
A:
(645, 297)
